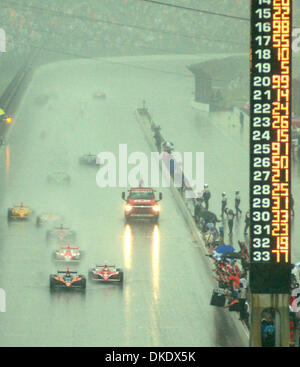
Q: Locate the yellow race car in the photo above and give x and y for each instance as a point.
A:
(18, 212)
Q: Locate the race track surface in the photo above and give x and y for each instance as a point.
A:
(168, 281)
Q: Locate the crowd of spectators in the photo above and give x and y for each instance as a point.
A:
(124, 27)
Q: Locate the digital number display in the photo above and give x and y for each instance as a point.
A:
(270, 145)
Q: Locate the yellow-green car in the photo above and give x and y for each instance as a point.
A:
(18, 212)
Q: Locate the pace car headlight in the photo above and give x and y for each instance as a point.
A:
(128, 208)
(156, 208)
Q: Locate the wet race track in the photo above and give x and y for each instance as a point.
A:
(168, 280)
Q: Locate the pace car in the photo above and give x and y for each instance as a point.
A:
(67, 280)
(141, 204)
(67, 253)
(106, 274)
(62, 234)
(48, 219)
(88, 159)
(59, 177)
(18, 212)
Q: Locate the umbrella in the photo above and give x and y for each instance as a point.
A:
(223, 249)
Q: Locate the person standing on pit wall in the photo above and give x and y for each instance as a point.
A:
(197, 209)
(206, 196)
(243, 296)
(242, 119)
(237, 201)
(268, 333)
(158, 138)
(221, 231)
(247, 221)
(230, 217)
(223, 204)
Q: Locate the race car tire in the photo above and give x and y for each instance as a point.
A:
(9, 214)
(52, 283)
(127, 219)
(38, 221)
(55, 257)
(155, 220)
(90, 274)
(121, 277)
(83, 283)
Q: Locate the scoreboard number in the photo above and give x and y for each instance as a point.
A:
(270, 145)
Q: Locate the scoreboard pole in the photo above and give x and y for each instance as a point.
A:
(270, 175)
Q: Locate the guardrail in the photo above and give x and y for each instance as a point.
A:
(8, 97)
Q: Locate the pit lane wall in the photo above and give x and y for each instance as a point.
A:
(12, 95)
(186, 206)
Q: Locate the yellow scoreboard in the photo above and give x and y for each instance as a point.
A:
(270, 145)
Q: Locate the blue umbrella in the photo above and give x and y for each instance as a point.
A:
(223, 249)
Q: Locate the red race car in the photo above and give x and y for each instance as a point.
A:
(67, 253)
(106, 273)
(141, 204)
(67, 280)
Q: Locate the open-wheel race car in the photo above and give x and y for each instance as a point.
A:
(47, 218)
(106, 274)
(18, 212)
(59, 177)
(100, 95)
(61, 234)
(88, 160)
(67, 253)
(67, 280)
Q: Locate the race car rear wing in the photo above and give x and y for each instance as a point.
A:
(69, 247)
(67, 272)
(105, 266)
